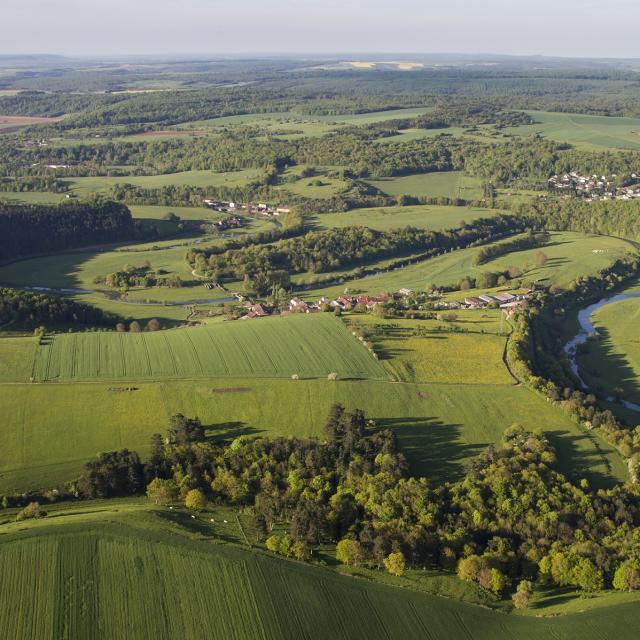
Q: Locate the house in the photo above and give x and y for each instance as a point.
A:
(474, 303)
(254, 311)
(298, 304)
(405, 292)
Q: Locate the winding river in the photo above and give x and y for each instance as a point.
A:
(586, 328)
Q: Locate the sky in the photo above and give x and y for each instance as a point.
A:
(572, 28)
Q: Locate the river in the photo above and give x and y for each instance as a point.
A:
(586, 328)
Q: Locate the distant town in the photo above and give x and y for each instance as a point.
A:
(263, 209)
(595, 187)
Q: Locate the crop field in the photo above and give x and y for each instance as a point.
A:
(119, 573)
(310, 346)
(48, 431)
(449, 184)
(569, 255)
(612, 362)
(10, 124)
(583, 131)
(386, 218)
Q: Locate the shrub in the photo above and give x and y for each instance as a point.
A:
(32, 510)
(195, 500)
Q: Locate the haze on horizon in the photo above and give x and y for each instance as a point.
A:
(515, 27)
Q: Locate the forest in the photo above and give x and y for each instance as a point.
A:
(33, 229)
(31, 309)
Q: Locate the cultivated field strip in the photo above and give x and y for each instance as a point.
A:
(309, 346)
(104, 581)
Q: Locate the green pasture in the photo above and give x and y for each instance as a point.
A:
(31, 197)
(48, 431)
(472, 354)
(583, 131)
(447, 184)
(16, 358)
(433, 217)
(612, 362)
(296, 120)
(569, 254)
(317, 186)
(103, 184)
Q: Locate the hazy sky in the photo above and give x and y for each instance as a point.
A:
(607, 28)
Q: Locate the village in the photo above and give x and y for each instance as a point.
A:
(591, 188)
(262, 209)
(508, 302)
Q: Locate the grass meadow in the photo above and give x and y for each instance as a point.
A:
(431, 217)
(583, 131)
(120, 571)
(569, 254)
(48, 431)
(103, 184)
(612, 362)
(448, 184)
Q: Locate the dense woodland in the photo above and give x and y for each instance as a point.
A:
(31, 309)
(33, 229)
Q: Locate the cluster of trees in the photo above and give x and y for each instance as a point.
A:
(325, 251)
(27, 308)
(530, 241)
(32, 229)
(144, 276)
(512, 517)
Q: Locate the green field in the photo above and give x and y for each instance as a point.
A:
(570, 255)
(612, 363)
(48, 431)
(102, 184)
(387, 218)
(310, 346)
(448, 184)
(33, 197)
(122, 571)
(588, 132)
